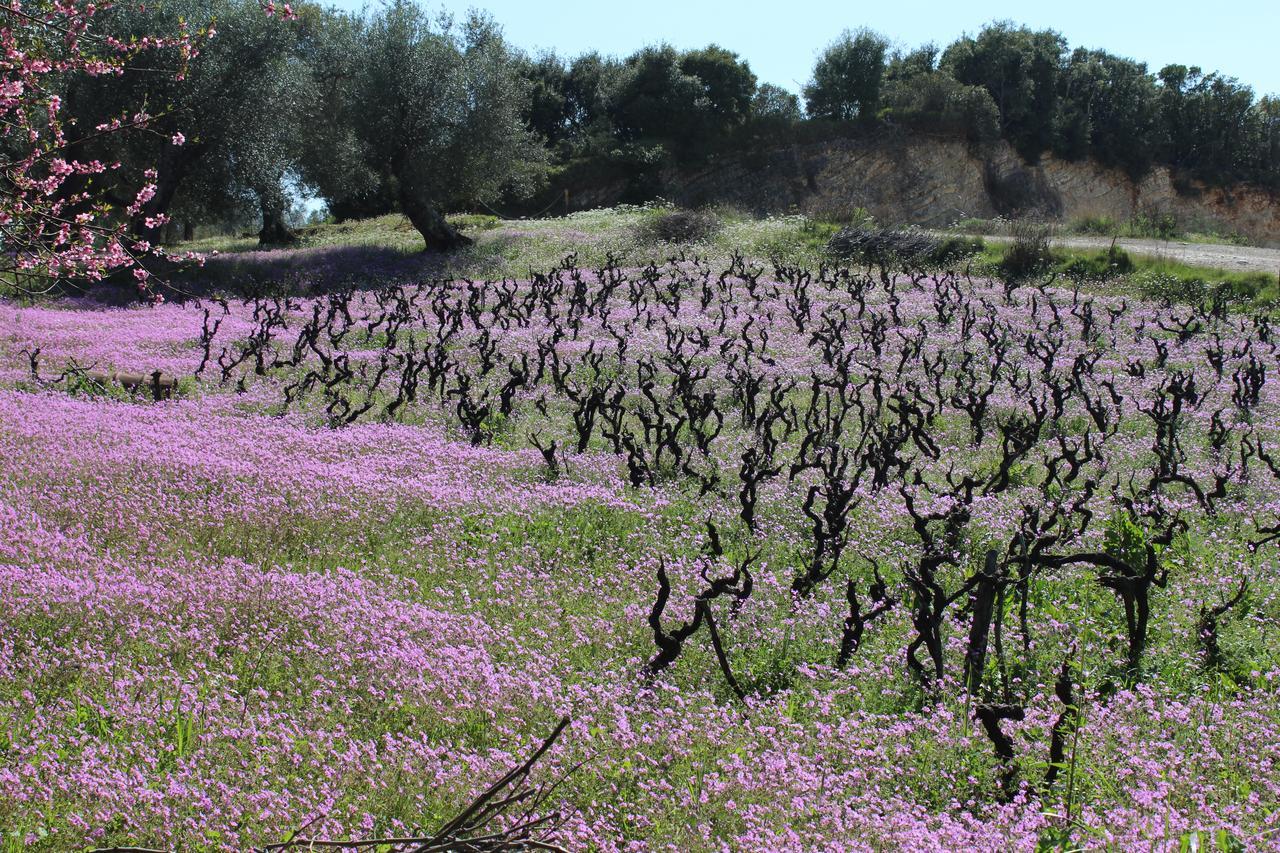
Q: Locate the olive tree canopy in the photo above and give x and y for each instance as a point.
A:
(235, 112)
(435, 111)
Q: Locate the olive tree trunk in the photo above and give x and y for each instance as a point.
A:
(437, 234)
(175, 163)
(275, 231)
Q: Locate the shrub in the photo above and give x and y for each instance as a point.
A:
(954, 249)
(682, 226)
(1247, 287)
(1155, 225)
(1099, 266)
(889, 246)
(1100, 226)
(1029, 254)
(1196, 287)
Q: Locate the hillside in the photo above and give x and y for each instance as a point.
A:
(931, 181)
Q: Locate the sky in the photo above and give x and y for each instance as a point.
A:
(782, 38)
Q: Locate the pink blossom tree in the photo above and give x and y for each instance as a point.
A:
(56, 225)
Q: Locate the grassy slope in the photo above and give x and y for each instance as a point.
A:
(511, 248)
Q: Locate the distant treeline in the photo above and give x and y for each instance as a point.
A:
(1008, 82)
(397, 109)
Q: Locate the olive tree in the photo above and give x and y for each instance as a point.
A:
(231, 112)
(435, 113)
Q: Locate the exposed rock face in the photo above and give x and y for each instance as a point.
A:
(938, 181)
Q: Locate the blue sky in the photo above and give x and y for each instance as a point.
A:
(781, 38)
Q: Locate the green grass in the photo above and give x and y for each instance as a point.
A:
(1153, 226)
(511, 248)
(1139, 275)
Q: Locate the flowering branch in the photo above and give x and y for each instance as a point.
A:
(50, 231)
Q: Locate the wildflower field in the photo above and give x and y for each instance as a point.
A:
(812, 557)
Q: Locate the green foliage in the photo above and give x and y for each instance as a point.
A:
(237, 148)
(1126, 540)
(1098, 226)
(434, 110)
(548, 110)
(955, 249)
(656, 97)
(728, 86)
(844, 214)
(395, 109)
(936, 102)
(920, 62)
(775, 105)
(689, 100)
(1109, 111)
(1211, 128)
(847, 79)
(1020, 68)
(975, 225)
(1162, 226)
(1154, 225)
(1099, 267)
(1217, 840)
(1178, 283)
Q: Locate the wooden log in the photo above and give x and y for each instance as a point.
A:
(162, 385)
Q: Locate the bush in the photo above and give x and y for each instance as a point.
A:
(1155, 225)
(682, 226)
(1029, 254)
(1098, 226)
(952, 250)
(891, 247)
(1099, 266)
(1171, 285)
(1247, 287)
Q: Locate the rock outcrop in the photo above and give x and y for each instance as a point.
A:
(934, 182)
